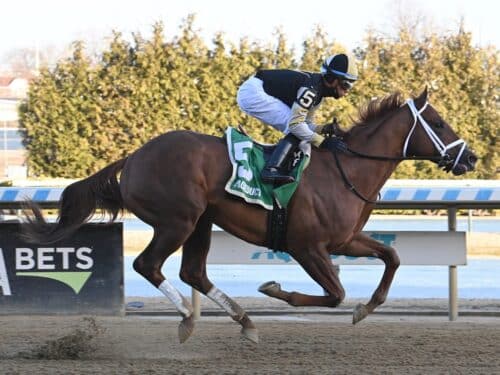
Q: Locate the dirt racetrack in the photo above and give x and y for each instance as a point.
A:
(299, 344)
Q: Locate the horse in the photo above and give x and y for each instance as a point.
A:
(175, 183)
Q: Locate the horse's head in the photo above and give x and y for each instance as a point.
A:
(432, 136)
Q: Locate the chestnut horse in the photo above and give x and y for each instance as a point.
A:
(175, 183)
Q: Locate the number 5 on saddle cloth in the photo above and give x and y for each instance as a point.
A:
(248, 159)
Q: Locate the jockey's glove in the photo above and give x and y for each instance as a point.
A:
(330, 130)
(323, 129)
(317, 140)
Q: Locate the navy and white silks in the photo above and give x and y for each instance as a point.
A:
(284, 99)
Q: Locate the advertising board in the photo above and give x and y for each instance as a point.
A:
(80, 275)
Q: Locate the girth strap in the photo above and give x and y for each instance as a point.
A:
(276, 228)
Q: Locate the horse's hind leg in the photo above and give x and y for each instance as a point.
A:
(149, 263)
(194, 273)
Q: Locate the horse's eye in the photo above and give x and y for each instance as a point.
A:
(439, 124)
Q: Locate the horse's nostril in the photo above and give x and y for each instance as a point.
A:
(472, 159)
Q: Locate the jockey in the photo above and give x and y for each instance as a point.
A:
(287, 100)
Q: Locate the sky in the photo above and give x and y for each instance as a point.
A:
(28, 23)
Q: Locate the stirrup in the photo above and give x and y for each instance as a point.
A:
(272, 175)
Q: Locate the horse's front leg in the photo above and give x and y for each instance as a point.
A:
(317, 264)
(360, 246)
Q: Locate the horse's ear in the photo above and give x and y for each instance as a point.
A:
(421, 99)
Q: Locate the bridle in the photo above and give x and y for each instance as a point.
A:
(438, 144)
(444, 160)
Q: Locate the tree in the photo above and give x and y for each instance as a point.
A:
(27, 61)
(84, 112)
(461, 79)
(57, 117)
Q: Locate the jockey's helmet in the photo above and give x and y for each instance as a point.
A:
(340, 66)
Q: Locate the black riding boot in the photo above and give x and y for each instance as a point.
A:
(272, 172)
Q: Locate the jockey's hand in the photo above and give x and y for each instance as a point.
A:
(332, 129)
(328, 130)
(334, 144)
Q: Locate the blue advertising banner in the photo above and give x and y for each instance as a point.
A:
(79, 275)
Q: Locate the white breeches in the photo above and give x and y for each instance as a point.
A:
(254, 101)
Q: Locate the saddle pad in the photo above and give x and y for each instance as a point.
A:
(247, 159)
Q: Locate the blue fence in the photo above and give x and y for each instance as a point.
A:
(440, 197)
(390, 196)
(13, 197)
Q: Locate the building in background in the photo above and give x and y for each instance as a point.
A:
(12, 152)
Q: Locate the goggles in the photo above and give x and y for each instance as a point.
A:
(346, 85)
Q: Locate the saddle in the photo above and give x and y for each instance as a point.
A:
(248, 157)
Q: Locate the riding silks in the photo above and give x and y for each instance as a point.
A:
(247, 158)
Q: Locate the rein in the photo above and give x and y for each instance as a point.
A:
(348, 182)
(444, 160)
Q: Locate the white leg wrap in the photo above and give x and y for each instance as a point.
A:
(222, 300)
(173, 295)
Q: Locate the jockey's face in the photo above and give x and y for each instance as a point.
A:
(339, 87)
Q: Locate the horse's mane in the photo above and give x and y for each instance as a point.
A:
(379, 108)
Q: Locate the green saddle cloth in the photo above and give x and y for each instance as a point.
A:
(248, 161)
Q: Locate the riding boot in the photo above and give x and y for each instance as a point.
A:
(273, 172)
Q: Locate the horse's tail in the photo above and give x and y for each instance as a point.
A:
(78, 203)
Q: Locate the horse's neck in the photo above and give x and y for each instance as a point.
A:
(387, 140)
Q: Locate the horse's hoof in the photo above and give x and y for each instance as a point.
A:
(251, 333)
(186, 328)
(270, 288)
(360, 312)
